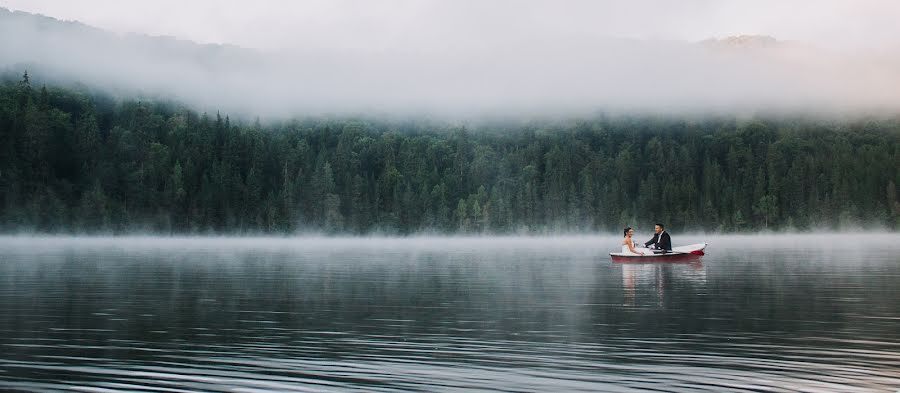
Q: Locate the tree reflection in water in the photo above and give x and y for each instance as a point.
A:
(655, 277)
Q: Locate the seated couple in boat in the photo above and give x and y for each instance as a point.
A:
(660, 243)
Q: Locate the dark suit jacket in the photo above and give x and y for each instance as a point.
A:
(663, 242)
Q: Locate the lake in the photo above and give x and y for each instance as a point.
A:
(758, 312)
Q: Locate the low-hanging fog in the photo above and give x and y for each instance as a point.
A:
(822, 241)
(470, 57)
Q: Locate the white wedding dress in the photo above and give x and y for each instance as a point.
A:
(645, 251)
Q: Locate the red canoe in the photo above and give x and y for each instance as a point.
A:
(681, 253)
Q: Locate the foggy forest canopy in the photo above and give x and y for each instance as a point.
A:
(77, 161)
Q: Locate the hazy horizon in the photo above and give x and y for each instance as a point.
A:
(469, 58)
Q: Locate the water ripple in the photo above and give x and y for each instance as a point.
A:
(511, 316)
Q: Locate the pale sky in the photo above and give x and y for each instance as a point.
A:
(427, 24)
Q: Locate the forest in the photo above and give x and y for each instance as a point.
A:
(77, 161)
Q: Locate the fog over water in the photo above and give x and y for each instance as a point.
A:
(591, 242)
(530, 58)
(767, 312)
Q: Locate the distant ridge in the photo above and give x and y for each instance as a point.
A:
(50, 25)
(60, 51)
(742, 41)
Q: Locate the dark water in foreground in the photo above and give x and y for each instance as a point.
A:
(816, 313)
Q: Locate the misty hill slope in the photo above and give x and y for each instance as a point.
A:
(38, 38)
(557, 75)
(64, 51)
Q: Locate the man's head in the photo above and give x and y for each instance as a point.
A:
(659, 228)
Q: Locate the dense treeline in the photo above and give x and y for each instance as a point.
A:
(72, 161)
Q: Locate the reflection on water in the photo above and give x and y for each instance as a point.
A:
(796, 313)
(661, 275)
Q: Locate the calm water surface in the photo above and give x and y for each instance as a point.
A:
(757, 313)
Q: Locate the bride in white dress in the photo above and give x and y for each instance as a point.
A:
(628, 245)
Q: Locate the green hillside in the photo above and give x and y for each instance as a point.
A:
(79, 162)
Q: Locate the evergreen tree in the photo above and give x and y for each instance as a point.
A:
(70, 164)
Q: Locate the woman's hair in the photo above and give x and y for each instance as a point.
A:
(626, 231)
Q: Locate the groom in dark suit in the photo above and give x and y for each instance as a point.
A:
(661, 240)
